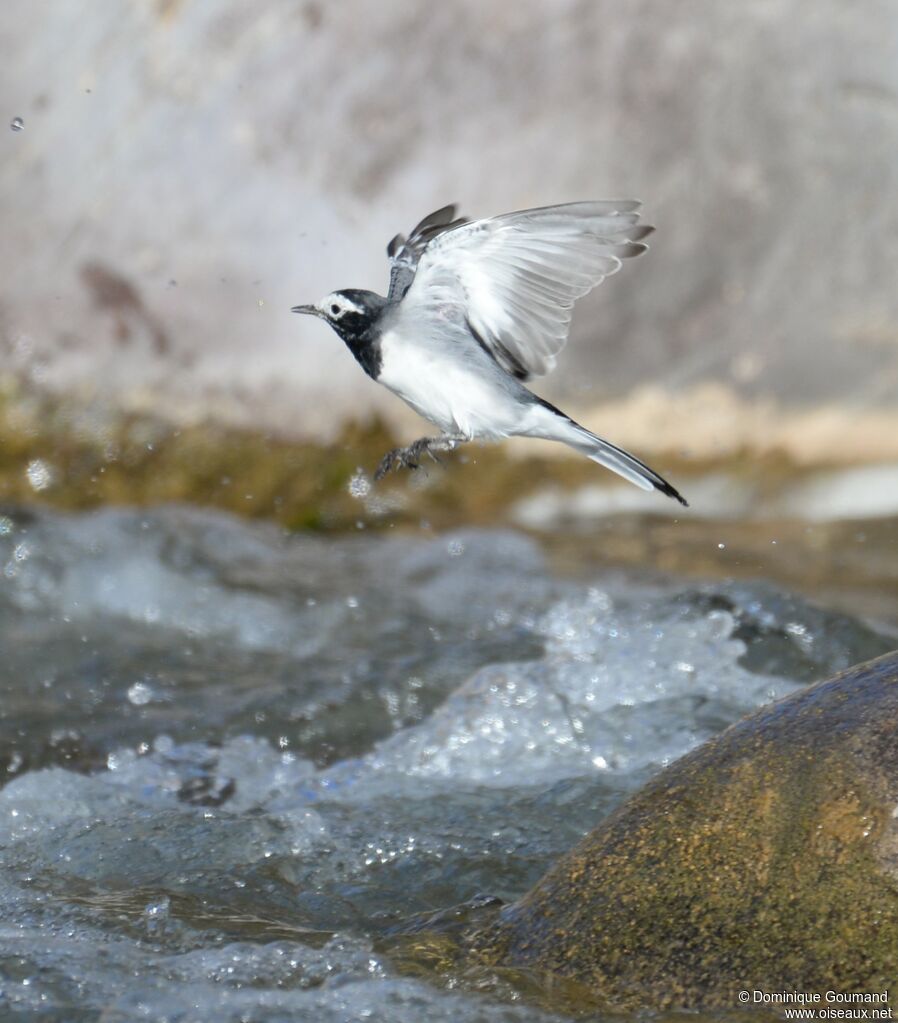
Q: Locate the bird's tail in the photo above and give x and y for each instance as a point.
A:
(564, 429)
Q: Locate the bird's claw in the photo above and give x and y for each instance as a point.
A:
(405, 458)
(398, 458)
(386, 463)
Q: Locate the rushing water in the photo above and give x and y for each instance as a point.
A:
(240, 763)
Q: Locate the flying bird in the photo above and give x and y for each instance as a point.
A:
(477, 307)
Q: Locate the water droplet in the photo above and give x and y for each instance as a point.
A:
(16, 124)
(359, 485)
(721, 546)
(156, 914)
(163, 744)
(160, 908)
(39, 473)
(140, 694)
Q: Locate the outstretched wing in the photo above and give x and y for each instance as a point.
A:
(405, 252)
(515, 278)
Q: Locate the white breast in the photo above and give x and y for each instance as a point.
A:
(452, 392)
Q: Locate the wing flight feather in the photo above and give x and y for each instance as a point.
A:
(515, 278)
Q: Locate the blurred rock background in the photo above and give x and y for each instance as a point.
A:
(190, 169)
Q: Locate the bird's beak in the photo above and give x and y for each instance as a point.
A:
(309, 310)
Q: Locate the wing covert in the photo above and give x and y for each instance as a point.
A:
(515, 278)
(405, 252)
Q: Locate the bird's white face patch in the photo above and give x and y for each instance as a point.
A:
(336, 304)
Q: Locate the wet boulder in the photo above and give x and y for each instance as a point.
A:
(766, 859)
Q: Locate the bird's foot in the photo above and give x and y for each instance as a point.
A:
(386, 463)
(402, 458)
(410, 457)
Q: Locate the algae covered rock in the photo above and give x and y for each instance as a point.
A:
(766, 859)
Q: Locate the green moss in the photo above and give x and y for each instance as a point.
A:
(117, 459)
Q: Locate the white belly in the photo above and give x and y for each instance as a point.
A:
(455, 395)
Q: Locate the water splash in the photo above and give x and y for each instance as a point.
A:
(468, 721)
(359, 485)
(40, 474)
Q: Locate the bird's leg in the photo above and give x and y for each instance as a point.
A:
(445, 442)
(410, 457)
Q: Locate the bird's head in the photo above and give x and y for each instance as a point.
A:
(350, 312)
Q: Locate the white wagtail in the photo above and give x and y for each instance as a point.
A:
(477, 307)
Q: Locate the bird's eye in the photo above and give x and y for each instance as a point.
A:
(335, 309)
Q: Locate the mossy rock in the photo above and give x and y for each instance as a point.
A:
(766, 859)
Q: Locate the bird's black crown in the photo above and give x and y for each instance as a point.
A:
(352, 311)
(354, 315)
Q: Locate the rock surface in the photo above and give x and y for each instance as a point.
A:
(766, 859)
(187, 172)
